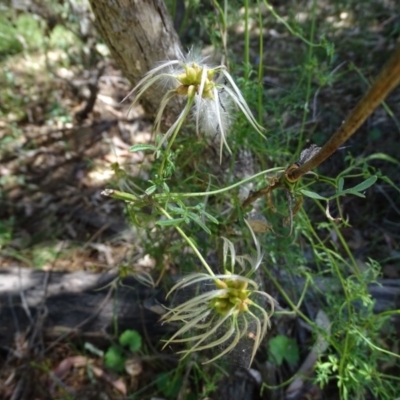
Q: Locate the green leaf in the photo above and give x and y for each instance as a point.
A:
(210, 217)
(340, 184)
(353, 192)
(175, 209)
(195, 218)
(142, 147)
(282, 348)
(313, 195)
(166, 187)
(114, 358)
(199, 222)
(383, 157)
(193, 215)
(169, 385)
(151, 190)
(292, 355)
(170, 222)
(132, 339)
(364, 185)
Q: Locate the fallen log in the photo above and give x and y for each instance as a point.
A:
(91, 305)
(81, 304)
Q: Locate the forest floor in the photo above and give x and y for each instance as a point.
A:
(63, 131)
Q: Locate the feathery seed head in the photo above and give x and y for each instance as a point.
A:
(212, 88)
(232, 308)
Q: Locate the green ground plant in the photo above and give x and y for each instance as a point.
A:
(228, 304)
(115, 357)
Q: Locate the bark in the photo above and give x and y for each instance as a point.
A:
(139, 34)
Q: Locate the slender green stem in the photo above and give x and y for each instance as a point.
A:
(386, 314)
(347, 249)
(116, 194)
(182, 119)
(288, 27)
(160, 196)
(344, 350)
(221, 11)
(303, 293)
(293, 306)
(189, 242)
(395, 378)
(377, 347)
(260, 66)
(224, 16)
(286, 297)
(310, 72)
(246, 40)
(224, 35)
(356, 269)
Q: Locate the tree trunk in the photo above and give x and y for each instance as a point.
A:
(139, 34)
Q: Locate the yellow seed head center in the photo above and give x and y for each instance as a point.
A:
(236, 296)
(192, 77)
